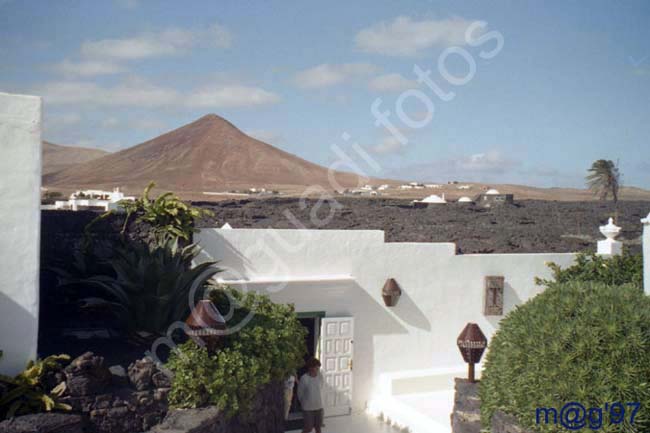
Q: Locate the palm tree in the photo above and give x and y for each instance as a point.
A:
(603, 179)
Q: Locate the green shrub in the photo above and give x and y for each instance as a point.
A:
(167, 214)
(579, 341)
(25, 393)
(269, 346)
(614, 271)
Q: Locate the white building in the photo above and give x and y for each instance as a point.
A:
(20, 229)
(432, 199)
(375, 356)
(93, 199)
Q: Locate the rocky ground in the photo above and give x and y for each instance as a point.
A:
(525, 227)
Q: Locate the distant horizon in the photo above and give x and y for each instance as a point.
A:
(388, 177)
(520, 93)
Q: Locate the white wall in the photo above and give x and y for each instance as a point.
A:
(646, 254)
(20, 182)
(442, 291)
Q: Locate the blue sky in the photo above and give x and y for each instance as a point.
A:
(570, 84)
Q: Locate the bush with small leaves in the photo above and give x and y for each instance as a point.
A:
(269, 346)
(613, 271)
(579, 341)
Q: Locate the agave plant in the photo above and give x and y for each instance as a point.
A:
(25, 392)
(88, 281)
(158, 279)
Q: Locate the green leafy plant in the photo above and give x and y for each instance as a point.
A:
(157, 280)
(616, 270)
(269, 346)
(25, 393)
(578, 341)
(144, 285)
(167, 214)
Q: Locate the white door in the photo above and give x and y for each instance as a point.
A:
(336, 345)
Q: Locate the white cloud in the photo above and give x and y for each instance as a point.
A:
(388, 145)
(391, 83)
(87, 68)
(132, 93)
(168, 42)
(137, 92)
(325, 75)
(407, 37)
(231, 96)
(489, 162)
(486, 166)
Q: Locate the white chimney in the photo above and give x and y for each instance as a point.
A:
(646, 254)
(609, 246)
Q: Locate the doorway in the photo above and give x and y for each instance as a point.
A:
(311, 321)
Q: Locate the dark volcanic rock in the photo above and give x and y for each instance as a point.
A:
(266, 416)
(43, 423)
(141, 373)
(529, 226)
(86, 375)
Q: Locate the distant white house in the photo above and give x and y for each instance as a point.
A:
(416, 185)
(432, 185)
(465, 200)
(432, 199)
(382, 187)
(93, 199)
(464, 186)
(406, 187)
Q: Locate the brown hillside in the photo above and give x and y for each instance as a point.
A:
(57, 157)
(210, 154)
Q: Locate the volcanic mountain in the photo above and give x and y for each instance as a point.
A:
(207, 155)
(57, 157)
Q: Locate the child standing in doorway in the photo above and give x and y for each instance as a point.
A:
(309, 394)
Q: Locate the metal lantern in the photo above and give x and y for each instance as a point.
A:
(391, 292)
(471, 343)
(205, 324)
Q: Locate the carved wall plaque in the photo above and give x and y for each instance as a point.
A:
(493, 305)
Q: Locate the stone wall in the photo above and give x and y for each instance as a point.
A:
(267, 416)
(466, 416)
(119, 400)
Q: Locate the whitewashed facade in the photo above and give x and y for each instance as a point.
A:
(20, 228)
(340, 273)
